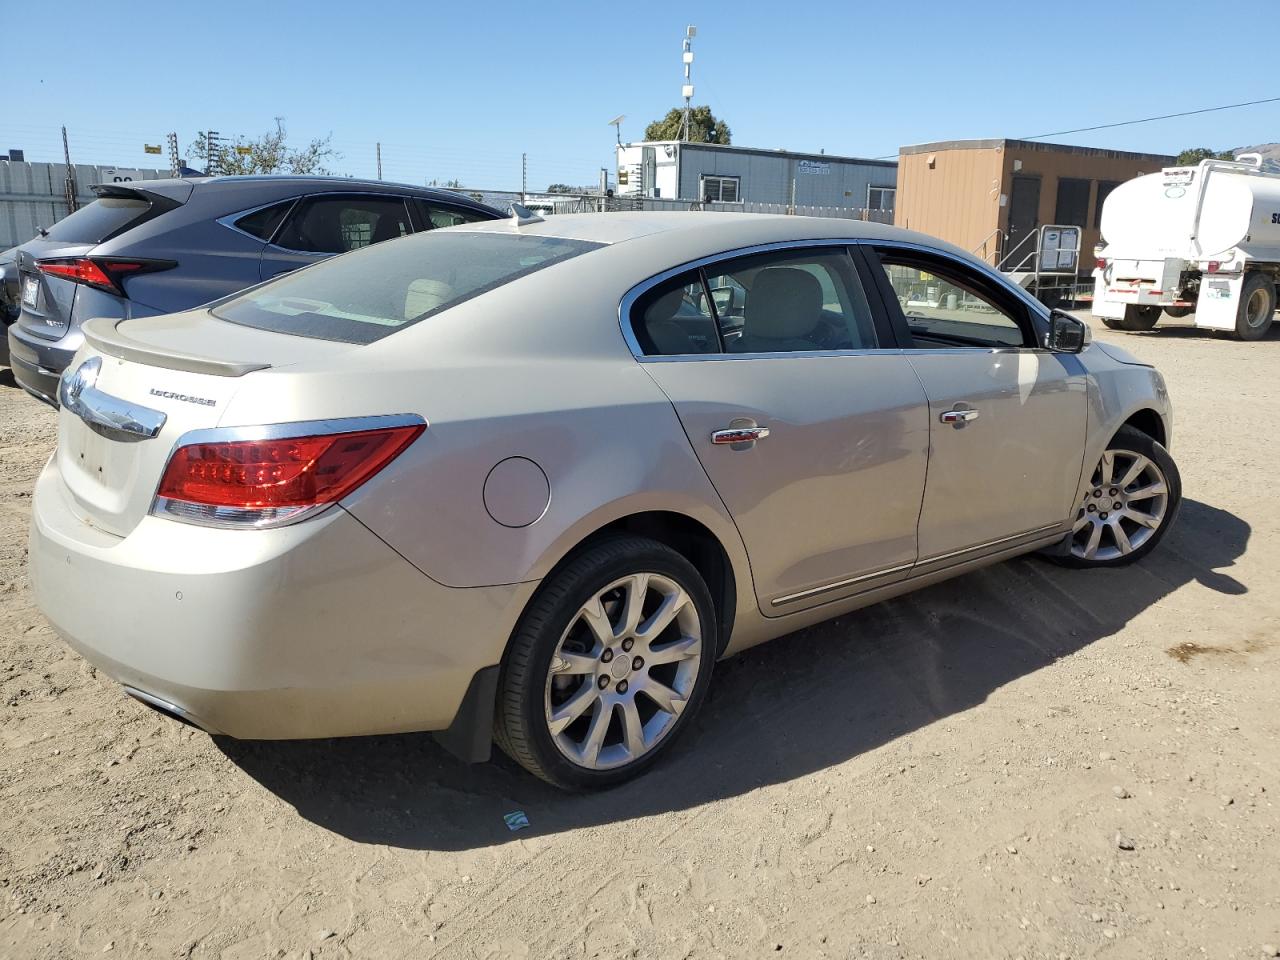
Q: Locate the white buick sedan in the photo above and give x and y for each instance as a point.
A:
(527, 481)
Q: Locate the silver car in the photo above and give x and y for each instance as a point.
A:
(527, 480)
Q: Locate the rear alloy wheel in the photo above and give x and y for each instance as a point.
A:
(1139, 318)
(1257, 307)
(607, 666)
(1129, 504)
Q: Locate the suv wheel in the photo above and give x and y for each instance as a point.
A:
(609, 663)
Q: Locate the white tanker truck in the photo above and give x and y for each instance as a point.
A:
(1203, 239)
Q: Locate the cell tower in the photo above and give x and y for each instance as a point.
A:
(687, 89)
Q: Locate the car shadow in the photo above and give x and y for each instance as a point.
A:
(6, 374)
(776, 713)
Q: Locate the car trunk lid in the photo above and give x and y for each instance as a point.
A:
(46, 301)
(138, 387)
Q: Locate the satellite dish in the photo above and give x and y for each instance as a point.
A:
(617, 120)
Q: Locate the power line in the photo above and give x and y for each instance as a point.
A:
(1130, 123)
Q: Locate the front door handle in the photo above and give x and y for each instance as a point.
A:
(958, 418)
(739, 435)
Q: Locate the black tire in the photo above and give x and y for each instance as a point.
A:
(1111, 323)
(1253, 322)
(1178, 312)
(1139, 318)
(1131, 439)
(520, 724)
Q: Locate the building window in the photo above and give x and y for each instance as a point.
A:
(1104, 190)
(881, 198)
(721, 189)
(1073, 202)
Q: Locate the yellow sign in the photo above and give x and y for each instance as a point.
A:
(151, 148)
(244, 151)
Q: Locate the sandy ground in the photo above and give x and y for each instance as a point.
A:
(943, 775)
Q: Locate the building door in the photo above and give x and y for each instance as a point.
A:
(1024, 217)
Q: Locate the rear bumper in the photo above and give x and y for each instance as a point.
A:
(314, 630)
(38, 363)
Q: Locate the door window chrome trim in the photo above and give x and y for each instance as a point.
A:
(640, 289)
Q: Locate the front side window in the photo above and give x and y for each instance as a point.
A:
(785, 302)
(339, 224)
(370, 294)
(721, 189)
(945, 307)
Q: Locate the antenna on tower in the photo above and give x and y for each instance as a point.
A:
(616, 123)
(687, 90)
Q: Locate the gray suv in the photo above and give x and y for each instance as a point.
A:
(160, 246)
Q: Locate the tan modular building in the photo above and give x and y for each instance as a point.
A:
(988, 196)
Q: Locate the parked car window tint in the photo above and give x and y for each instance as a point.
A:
(99, 220)
(339, 224)
(263, 223)
(372, 293)
(676, 318)
(791, 301)
(449, 216)
(949, 309)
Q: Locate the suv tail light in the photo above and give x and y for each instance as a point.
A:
(105, 273)
(278, 479)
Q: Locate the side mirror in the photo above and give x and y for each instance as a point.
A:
(1067, 334)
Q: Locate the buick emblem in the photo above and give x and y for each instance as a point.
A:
(84, 377)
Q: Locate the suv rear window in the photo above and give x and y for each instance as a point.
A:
(100, 220)
(371, 293)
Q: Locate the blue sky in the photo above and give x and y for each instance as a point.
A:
(462, 89)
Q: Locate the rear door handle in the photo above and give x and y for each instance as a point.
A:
(958, 417)
(739, 435)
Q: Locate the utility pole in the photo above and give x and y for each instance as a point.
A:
(212, 158)
(524, 176)
(73, 203)
(687, 90)
(175, 166)
(379, 159)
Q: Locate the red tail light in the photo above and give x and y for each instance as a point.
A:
(1102, 263)
(256, 483)
(1214, 265)
(105, 273)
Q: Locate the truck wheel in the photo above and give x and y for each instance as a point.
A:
(1178, 312)
(1139, 318)
(1257, 306)
(1111, 323)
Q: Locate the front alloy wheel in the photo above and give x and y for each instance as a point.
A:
(608, 664)
(1130, 501)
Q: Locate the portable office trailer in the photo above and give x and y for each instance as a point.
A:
(991, 196)
(710, 172)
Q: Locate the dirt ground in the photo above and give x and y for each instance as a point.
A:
(944, 775)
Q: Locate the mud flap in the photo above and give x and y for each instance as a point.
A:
(470, 736)
(1219, 301)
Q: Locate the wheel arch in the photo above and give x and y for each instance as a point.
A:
(689, 537)
(1148, 421)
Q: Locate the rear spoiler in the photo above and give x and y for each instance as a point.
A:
(168, 193)
(103, 334)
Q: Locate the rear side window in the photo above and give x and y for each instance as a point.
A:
(370, 294)
(449, 216)
(339, 224)
(263, 223)
(100, 220)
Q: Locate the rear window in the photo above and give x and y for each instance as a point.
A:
(371, 293)
(99, 221)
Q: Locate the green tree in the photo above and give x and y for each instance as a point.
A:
(703, 126)
(562, 188)
(269, 153)
(1193, 155)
